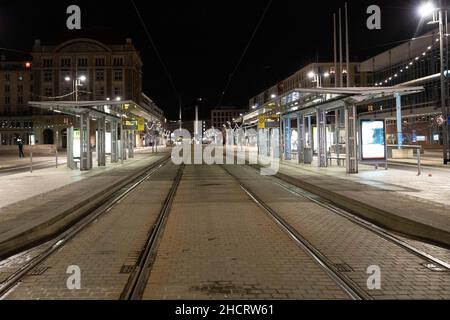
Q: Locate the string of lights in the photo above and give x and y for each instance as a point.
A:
(409, 65)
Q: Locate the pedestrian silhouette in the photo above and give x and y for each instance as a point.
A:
(20, 144)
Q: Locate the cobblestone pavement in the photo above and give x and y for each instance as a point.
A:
(404, 275)
(219, 245)
(101, 251)
(18, 188)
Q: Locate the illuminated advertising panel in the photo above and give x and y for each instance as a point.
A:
(108, 142)
(373, 142)
(76, 143)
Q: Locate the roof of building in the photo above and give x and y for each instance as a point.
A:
(405, 51)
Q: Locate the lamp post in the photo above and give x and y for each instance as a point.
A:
(426, 10)
(77, 82)
(197, 126)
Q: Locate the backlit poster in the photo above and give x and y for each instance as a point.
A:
(373, 140)
(76, 143)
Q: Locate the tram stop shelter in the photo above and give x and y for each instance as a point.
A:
(115, 124)
(325, 122)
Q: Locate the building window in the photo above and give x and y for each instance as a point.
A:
(20, 89)
(118, 62)
(19, 100)
(100, 92)
(48, 92)
(7, 88)
(99, 62)
(65, 74)
(47, 63)
(82, 62)
(48, 76)
(100, 75)
(117, 92)
(7, 77)
(118, 75)
(66, 62)
(7, 100)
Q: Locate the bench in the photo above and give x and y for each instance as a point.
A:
(338, 160)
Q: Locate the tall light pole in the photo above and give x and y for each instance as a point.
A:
(426, 10)
(198, 125)
(77, 82)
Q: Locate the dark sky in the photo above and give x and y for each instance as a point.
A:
(201, 41)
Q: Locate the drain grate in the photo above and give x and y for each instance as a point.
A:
(434, 268)
(126, 269)
(38, 271)
(343, 267)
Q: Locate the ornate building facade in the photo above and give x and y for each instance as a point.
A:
(109, 72)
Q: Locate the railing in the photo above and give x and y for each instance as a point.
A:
(411, 147)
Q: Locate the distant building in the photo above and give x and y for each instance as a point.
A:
(110, 71)
(16, 87)
(414, 63)
(224, 115)
(302, 79)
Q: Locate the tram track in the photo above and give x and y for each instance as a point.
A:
(137, 283)
(341, 280)
(46, 250)
(380, 232)
(349, 286)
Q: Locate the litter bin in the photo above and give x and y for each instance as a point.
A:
(308, 155)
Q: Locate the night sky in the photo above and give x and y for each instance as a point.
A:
(201, 41)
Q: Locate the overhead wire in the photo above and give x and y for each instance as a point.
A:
(233, 74)
(155, 48)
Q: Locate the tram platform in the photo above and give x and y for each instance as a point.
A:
(397, 198)
(35, 205)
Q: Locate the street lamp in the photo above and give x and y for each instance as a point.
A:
(426, 10)
(78, 82)
(317, 78)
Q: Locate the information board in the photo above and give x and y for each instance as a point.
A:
(373, 140)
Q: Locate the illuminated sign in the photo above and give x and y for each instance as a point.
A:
(141, 124)
(131, 125)
(76, 143)
(261, 122)
(373, 142)
(421, 139)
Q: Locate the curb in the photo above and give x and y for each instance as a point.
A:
(375, 215)
(49, 229)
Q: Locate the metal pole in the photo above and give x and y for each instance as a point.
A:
(336, 135)
(419, 165)
(347, 45)
(56, 148)
(446, 82)
(181, 114)
(341, 75)
(76, 90)
(398, 100)
(443, 85)
(335, 51)
(31, 157)
(122, 142)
